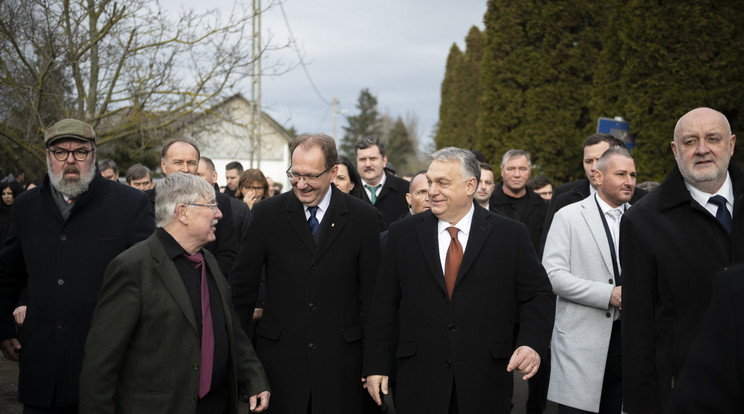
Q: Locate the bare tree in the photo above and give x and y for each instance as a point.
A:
(124, 66)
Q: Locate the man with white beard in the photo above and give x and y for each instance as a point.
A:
(62, 236)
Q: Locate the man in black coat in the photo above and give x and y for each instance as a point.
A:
(385, 191)
(672, 243)
(512, 198)
(320, 248)
(182, 155)
(63, 235)
(574, 191)
(457, 310)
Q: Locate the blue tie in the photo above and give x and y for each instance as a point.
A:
(722, 214)
(312, 221)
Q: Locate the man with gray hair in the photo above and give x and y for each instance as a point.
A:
(674, 241)
(512, 198)
(455, 277)
(164, 307)
(62, 236)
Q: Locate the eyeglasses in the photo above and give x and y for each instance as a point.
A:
(78, 154)
(212, 206)
(309, 178)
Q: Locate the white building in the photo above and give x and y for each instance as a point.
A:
(225, 135)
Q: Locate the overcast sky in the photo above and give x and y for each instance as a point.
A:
(396, 48)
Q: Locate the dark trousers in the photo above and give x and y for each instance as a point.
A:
(453, 409)
(612, 385)
(67, 409)
(537, 398)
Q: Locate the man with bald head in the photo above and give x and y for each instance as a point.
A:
(673, 243)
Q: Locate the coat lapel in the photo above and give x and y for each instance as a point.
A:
(296, 218)
(333, 221)
(427, 234)
(479, 231)
(172, 280)
(593, 220)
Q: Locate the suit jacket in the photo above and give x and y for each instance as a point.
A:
(392, 199)
(310, 336)
(225, 245)
(143, 350)
(570, 193)
(578, 261)
(534, 217)
(713, 377)
(670, 249)
(61, 264)
(467, 340)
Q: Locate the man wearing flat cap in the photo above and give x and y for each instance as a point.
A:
(164, 336)
(62, 236)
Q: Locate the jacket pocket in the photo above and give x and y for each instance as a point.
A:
(352, 333)
(268, 330)
(406, 349)
(501, 350)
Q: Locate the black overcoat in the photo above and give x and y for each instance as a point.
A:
(310, 337)
(469, 339)
(671, 247)
(62, 264)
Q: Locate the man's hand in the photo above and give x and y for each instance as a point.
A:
(616, 298)
(257, 314)
(375, 383)
(20, 315)
(525, 360)
(259, 402)
(10, 348)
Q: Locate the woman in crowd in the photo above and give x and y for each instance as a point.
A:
(9, 191)
(347, 178)
(252, 187)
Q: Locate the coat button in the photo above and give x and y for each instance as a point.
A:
(610, 281)
(314, 266)
(59, 325)
(312, 306)
(61, 282)
(447, 364)
(63, 237)
(196, 367)
(311, 346)
(608, 314)
(451, 328)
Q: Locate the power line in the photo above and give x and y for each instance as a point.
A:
(293, 42)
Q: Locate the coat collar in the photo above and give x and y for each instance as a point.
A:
(673, 191)
(591, 215)
(480, 228)
(330, 227)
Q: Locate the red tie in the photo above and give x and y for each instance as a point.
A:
(453, 260)
(207, 342)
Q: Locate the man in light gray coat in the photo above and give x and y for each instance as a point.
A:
(581, 261)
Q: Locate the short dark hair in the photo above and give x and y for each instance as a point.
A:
(595, 139)
(209, 162)
(252, 175)
(184, 140)
(538, 182)
(325, 142)
(369, 141)
(137, 172)
(235, 165)
(485, 166)
(410, 185)
(108, 164)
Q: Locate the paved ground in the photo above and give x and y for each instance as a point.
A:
(9, 392)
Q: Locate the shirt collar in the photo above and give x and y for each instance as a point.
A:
(606, 207)
(726, 190)
(325, 202)
(463, 225)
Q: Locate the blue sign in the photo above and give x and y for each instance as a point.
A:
(618, 128)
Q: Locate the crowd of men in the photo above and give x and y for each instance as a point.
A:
(179, 297)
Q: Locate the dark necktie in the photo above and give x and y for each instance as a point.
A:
(312, 221)
(207, 341)
(453, 260)
(372, 192)
(722, 214)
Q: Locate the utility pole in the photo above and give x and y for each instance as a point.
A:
(256, 86)
(335, 111)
